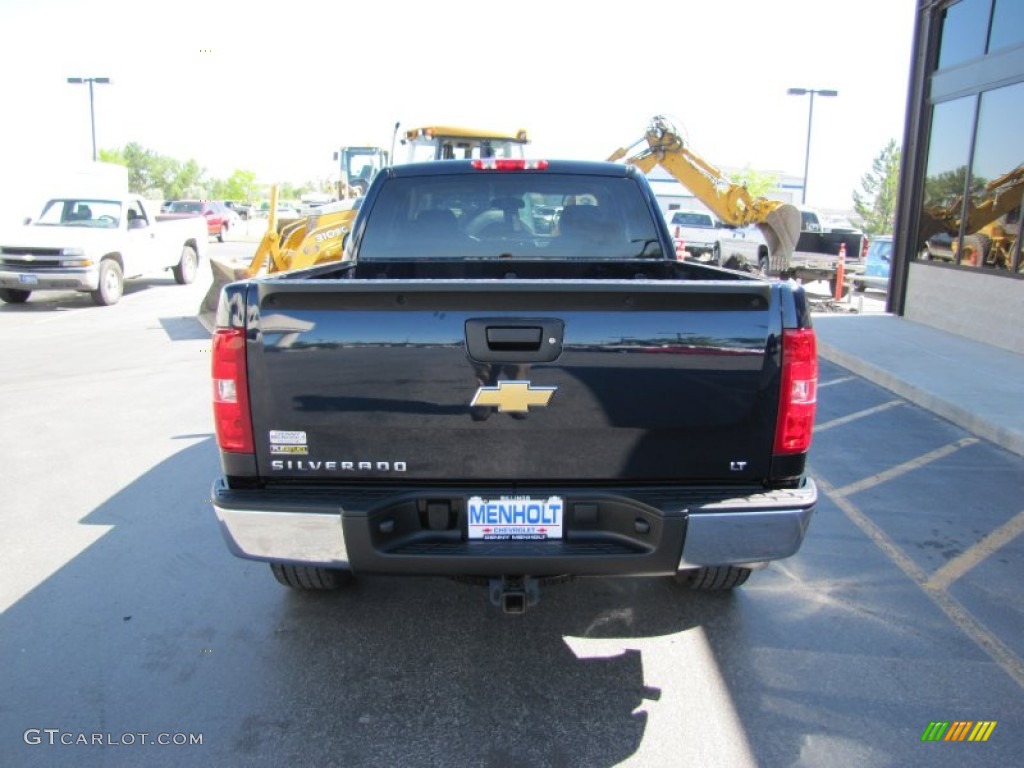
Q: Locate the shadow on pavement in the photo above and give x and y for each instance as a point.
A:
(155, 628)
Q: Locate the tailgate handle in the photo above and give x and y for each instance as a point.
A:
(518, 339)
(514, 340)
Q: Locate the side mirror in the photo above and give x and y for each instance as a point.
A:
(138, 223)
(26, 221)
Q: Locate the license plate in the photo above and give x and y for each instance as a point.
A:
(515, 518)
(28, 279)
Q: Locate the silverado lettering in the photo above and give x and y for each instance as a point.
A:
(347, 466)
(675, 446)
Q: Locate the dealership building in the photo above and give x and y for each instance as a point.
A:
(957, 263)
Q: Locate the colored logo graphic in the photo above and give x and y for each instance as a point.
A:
(959, 730)
(514, 396)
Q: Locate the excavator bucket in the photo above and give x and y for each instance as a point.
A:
(781, 230)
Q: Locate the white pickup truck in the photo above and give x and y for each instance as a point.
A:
(92, 243)
(699, 235)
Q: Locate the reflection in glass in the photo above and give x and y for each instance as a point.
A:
(945, 178)
(964, 32)
(997, 181)
(1007, 24)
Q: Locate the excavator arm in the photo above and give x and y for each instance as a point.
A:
(662, 145)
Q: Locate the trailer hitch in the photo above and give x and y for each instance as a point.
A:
(514, 594)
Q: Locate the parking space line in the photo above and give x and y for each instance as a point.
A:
(842, 380)
(978, 552)
(988, 642)
(905, 467)
(858, 415)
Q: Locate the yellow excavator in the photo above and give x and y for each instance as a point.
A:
(993, 225)
(318, 237)
(779, 222)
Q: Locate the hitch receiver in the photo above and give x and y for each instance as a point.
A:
(514, 594)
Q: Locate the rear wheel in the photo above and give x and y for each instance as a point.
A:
(185, 271)
(111, 284)
(14, 295)
(714, 577)
(975, 250)
(310, 577)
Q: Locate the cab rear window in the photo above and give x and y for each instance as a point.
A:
(509, 215)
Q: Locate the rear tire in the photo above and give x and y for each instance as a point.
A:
(111, 286)
(978, 244)
(14, 295)
(310, 577)
(185, 271)
(714, 578)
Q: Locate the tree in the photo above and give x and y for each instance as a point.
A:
(240, 185)
(876, 204)
(154, 175)
(758, 184)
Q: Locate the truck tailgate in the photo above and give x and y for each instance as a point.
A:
(513, 380)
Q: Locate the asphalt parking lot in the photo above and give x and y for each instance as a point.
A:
(124, 614)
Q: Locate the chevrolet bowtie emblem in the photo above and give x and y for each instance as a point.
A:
(513, 396)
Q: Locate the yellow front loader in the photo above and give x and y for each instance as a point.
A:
(318, 237)
(313, 239)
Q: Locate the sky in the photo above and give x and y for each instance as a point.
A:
(236, 87)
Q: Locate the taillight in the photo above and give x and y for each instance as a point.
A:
(798, 394)
(510, 164)
(231, 392)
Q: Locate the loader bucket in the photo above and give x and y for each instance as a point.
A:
(223, 273)
(781, 230)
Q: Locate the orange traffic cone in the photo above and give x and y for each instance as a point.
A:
(680, 246)
(840, 271)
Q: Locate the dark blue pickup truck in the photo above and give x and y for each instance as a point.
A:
(470, 396)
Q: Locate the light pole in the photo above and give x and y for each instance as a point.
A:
(92, 111)
(810, 118)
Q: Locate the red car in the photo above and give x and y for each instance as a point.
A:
(219, 218)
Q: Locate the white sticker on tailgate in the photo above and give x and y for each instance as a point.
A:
(284, 437)
(515, 518)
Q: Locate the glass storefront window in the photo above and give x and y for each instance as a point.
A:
(1007, 24)
(964, 32)
(997, 181)
(945, 178)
